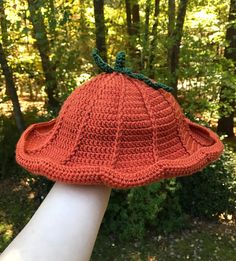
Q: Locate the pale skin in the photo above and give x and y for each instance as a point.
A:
(65, 226)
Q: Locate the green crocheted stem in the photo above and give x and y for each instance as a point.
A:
(120, 61)
(100, 63)
(120, 67)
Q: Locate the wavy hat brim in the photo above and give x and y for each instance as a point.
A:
(42, 133)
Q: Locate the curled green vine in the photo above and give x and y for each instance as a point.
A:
(120, 67)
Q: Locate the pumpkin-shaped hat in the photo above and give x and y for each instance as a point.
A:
(119, 129)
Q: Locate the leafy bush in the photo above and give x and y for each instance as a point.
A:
(164, 206)
(212, 191)
(161, 206)
(132, 212)
(9, 136)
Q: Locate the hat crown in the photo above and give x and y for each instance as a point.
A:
(116, 130)
(119, 122)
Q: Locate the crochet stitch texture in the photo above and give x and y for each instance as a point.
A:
(117, 131)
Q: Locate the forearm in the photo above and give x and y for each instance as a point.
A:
(64, 227)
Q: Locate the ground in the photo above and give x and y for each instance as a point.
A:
(201, 241)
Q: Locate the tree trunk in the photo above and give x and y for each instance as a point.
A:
(100, 29)
(42, 42)
(146, 36)
(227, 93)
(174, 42)
(5, 38)
(52, 20)
(147, 19)
(11, 90)
(133, 30)
(128, 17)
(4, 33)
(171, 27)
(136, 19)
(153, 42)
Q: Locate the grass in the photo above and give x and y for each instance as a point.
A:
(16, 208)
(201, 241)
(18, 203)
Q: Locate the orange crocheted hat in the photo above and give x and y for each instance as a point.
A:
(119, 129)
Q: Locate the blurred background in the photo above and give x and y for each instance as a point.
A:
(45, 53)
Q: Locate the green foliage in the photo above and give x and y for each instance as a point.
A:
(132, 212)
(203, 70)
(165, 206)
(205, 241)
(70, 30)
(212, 191)
(16, 210)
(9, 136)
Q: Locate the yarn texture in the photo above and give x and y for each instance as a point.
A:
(117, 131)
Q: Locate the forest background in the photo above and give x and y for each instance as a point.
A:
(45, 53)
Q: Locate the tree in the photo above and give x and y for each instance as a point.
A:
(133, 30)
(43, 46)
(4, 33)
(11, 90)
(100, 28)
(227, 93)
(7, 72)
(52, 20)
(153, 42)
(175, 35)
(5, 38)
(171, 27)
(146, 35)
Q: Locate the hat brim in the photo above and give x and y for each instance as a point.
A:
(43, 133)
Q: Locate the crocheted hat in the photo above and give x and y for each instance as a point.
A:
(120, 129)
